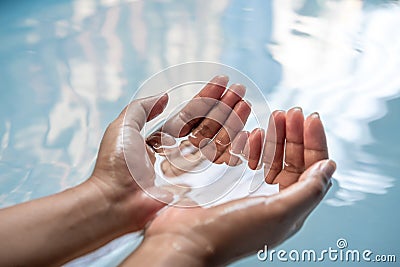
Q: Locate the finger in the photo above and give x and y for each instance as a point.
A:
(274, 145)
(315, 147)
(294, 148)
(210, 126)
(161, 143)
(233, 125)
(139, 111)
(239, 143)
(180, 164)
(181, 160)
(253, 148)
(190, 115)
(284, 208)
(135, 149)
(231, 155)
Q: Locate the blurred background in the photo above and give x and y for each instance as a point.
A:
(67, 68)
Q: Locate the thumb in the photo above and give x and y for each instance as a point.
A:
(293, 202)
(134, 148)
(303, 196)
(138, 112)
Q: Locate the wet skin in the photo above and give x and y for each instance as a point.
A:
(58, 228)
(219, 235)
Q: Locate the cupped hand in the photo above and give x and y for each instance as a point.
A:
(218, 235)
(212, 120)
(124, 170)
(111, 174)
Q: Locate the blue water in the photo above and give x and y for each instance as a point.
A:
(69, 67)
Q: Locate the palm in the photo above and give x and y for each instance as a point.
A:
(121, 167)
(261, 219)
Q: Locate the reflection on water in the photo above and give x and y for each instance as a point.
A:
(68, 67)
(344, 64)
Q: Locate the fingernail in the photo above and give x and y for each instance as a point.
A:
(164, 97)
(257, 130)
(298, 108)
(235, 85)
(328, 167)
(159, 97)
(315, 115)
(238, 89)
(220, 80)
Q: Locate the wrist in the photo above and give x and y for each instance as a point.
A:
(167, 250)
(114, 202)
(96, 206)
(130, 206)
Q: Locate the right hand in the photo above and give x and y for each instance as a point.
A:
(221, 234)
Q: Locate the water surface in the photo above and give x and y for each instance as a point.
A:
(69, 67)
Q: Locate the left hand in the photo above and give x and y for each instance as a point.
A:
(111, 173)
(202, 117)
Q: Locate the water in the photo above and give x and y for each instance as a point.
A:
(184, 159)
(69, 67)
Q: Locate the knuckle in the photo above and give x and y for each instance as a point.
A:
(206, 130)
(185, 116)
(317, 189)
(223, 108)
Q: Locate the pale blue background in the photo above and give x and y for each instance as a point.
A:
(68, 67)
